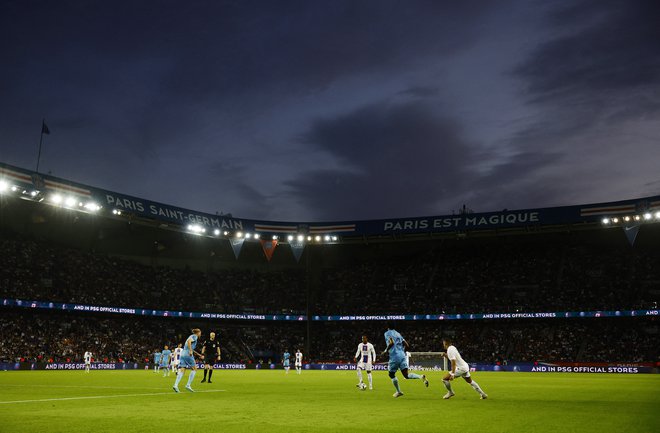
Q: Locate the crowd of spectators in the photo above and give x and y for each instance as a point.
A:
(61, 337)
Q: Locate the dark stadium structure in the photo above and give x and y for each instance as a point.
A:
(597, 261)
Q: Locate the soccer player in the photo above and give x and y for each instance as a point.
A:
(187, 360)
(165, 356)
(285, 360)
(176, 355)
(397, 346)
(211, 353)
(298, 364)
(459, 368)
(367, 357)
(88, 361)
(156, 360)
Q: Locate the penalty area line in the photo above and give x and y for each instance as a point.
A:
(91, 397)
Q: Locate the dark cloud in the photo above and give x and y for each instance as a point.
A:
(394, 160)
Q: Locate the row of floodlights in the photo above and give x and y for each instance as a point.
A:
(626, 219)
(73, 203)
(199, 230)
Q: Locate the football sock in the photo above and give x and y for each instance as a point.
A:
(370, 380)
(179, 376)
(190, 377)
(476, 387)
(448, 385)
(359, 373)
(414, 376)
(210, 374)
(205, 370)
(395, 382)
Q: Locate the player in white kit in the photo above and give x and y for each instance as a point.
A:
(459, 368)
(298, 363)
(88, 361)
(176, 357)
(366, 354)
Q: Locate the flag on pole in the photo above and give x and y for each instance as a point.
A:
(44, 128)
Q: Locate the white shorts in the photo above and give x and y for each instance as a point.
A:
(365, 366)
(298, 364)
(462, 372)
(88, 363)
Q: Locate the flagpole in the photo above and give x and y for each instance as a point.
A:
(41, 139)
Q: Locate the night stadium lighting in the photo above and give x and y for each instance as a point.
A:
(301, 238)
(4, 186)
(289, 238)
(626, 218)
(326, 238)
(334, 238)
(247, 235)
(70, 201)
(615, 220)
(34, 193)
(317, 238)
(647, 216)
(92, 207)
(605, 220)
(239, 235)
(14, 189)
(225, 233)
(56, 198)
(309, 238)
(216, 232)
(657, 215)
(637, 217)
(257, 235)
(275, 237)
(116, 212)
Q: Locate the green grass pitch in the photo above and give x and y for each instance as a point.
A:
(324, 401)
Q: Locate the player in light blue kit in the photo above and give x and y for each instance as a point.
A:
(187, 360)
(285, 360)
(157, 354)
(397, 346)
(165, 357)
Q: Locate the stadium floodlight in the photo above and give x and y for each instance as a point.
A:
(216, 232)
(626, 218)
(92, 207)
(657, 215)
(248, 235)
(326, 238)
(301, 238)
(309, 238)
(637, 217)
(605, 220)
(116, 212)
(239, 235)
(70, 201)
(289, 238)
(317, 238)
(275, 237)
(647, 216)
(56, 198)
(34, 193)
(4, 186)
(615, 220)
(225, 233)
(14, 188)
(334, 238)
(257, 235)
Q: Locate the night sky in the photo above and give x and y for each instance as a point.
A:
(337, 110)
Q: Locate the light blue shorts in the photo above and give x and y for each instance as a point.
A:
(398, 364)
(186, 361)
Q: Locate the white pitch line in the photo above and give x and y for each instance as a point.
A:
(83, 386)
(102, 396)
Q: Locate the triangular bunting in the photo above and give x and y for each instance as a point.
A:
(631, 233)
(297, 248)
(236, 245)
(268, 247)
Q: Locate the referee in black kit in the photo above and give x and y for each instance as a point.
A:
(211, 352)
